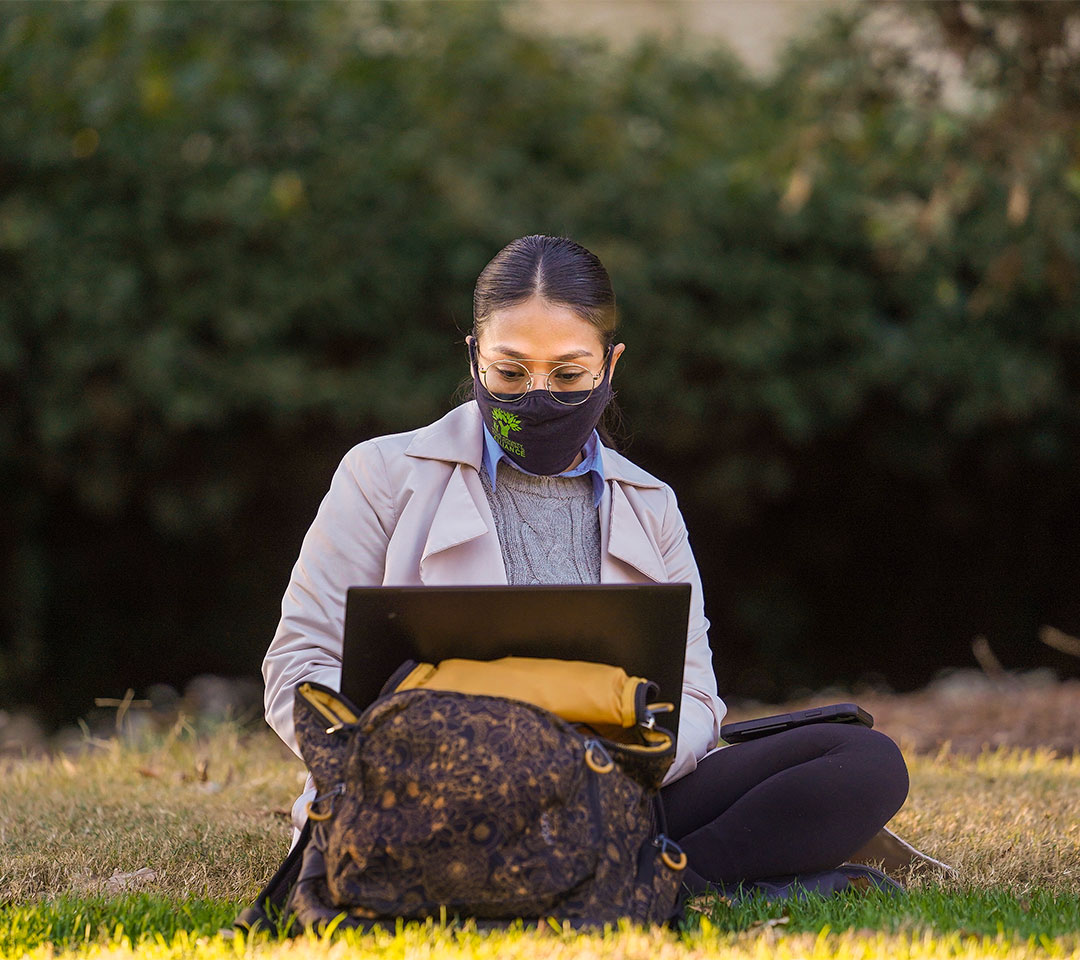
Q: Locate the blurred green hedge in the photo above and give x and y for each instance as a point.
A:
(236, 239)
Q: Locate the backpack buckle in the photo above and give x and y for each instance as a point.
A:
(602, 765)
(666, 845)
(331, 795)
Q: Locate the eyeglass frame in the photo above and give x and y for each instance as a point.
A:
(474, 348)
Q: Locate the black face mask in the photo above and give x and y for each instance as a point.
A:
(537, 432)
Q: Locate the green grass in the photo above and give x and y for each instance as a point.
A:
(930, 924)
(986, 911)
(68, 921)
(71, 922)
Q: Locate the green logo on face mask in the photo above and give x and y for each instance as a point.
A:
(503, 421)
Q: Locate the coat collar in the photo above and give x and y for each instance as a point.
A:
(463, 517)
(458, 438)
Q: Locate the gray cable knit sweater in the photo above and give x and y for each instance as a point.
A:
(548, 527)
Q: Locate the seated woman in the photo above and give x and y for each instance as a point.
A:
(519, 486)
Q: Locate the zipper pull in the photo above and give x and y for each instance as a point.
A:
(602, 765)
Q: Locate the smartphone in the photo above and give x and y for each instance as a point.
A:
(763, 726)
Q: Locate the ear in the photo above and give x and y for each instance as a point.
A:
(616, 352)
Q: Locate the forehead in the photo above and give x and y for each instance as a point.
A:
(539, 330)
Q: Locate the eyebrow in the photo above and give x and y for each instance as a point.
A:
(572, 355)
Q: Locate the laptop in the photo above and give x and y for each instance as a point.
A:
(639, 627)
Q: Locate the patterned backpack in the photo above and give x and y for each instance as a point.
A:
(441, 803)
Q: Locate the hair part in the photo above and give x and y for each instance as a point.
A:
(555, 269)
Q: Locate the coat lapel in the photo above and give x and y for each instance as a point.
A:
(628, 541)
(462, 546)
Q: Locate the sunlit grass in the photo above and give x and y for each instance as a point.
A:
(545, 943)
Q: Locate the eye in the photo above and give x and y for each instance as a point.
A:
(570, 376)
(508, 372)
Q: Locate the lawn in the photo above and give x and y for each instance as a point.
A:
(150, 846)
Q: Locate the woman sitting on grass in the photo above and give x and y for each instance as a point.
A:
(519, 486)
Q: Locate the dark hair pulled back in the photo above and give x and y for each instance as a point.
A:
(557, 270)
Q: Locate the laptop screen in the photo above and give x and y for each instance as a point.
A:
(639, 627)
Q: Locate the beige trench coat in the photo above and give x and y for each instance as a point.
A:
(410, 508)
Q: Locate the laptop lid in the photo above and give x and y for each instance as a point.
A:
(639, 627)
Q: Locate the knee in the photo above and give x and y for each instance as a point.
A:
(884, 765)
(876, 765)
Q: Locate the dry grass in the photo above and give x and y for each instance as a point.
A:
(207, 817)
(199, 816)
(1003, 818)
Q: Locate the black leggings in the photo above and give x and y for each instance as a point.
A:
(795, 802)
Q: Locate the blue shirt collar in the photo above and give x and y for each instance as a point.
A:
(591, 463)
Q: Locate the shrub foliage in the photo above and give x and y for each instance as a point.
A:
(233, 242)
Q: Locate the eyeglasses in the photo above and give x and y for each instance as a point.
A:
(510, 380)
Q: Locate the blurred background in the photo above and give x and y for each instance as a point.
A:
(237, 239)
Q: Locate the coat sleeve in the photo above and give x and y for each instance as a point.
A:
(702, 710)
(344, 546)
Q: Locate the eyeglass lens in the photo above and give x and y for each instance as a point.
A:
(510, 378)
